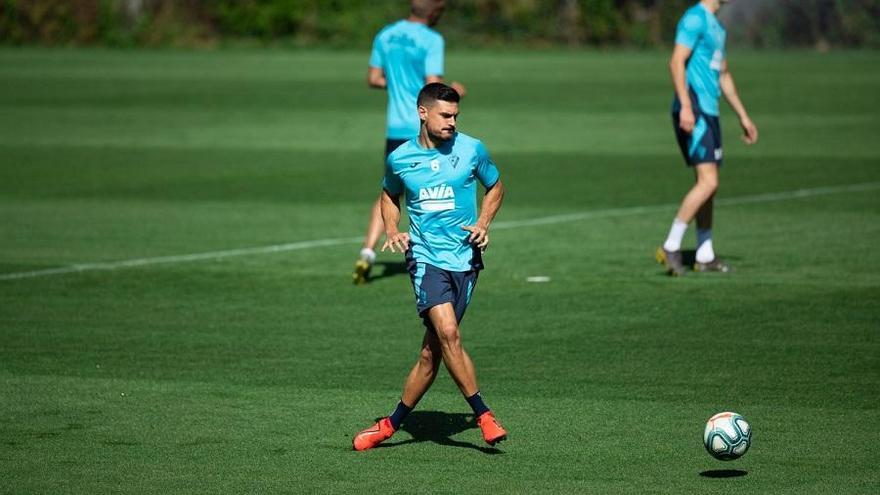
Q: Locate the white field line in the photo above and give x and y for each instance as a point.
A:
(514, 224)
(214, 255)
(638, 210)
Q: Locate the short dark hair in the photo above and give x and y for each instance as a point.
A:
(424, 8)
(437, 92)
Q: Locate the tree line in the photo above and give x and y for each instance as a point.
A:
(467, 23)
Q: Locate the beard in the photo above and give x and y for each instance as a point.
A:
(444, 134)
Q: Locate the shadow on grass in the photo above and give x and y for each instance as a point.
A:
(439, 427)
(723, 473)
(385, 269)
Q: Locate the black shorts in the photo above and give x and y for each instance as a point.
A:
(703, 145)
(393, 144)
(434, 286)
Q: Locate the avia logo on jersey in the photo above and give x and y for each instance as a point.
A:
(402, 40)
(437, 198)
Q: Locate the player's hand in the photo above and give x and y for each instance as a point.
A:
(459, 88)
(399, 240)
(479, 236)
(686, 119)
(750, 131)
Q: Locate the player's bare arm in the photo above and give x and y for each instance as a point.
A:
(457, 86)
(728, 89)
(394, 238)
(491, 204)
(376, 78)
(678, 69)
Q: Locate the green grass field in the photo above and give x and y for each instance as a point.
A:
(248, 371)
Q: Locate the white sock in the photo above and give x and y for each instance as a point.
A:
(705, 253)
(369, 255)
(676, 233)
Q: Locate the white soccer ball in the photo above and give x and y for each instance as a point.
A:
(727, 436)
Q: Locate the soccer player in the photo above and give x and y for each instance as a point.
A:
(406, 55)
(438, 172)
(700, 75)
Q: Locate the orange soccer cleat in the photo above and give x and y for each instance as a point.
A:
(373, 435)
(493, 432)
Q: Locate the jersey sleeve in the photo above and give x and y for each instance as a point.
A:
(434, 57)
(485, 168)
(391, 182)
(689, 30)
(377, 57)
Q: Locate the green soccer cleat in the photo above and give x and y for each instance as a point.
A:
(672, 260)
(361, 273)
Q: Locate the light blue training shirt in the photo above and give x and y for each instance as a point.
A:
(700, 31)
(407, 52)
(441, 196)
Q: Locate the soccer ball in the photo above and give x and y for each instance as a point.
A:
(727, 436)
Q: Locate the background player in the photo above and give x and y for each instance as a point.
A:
(443, 249)
(700, 75)
(406, 55)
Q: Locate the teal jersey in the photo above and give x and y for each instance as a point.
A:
(407, 52)
(700, 31)
(441, 197)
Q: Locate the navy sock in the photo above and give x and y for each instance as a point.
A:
(476, 403)
(399, 413)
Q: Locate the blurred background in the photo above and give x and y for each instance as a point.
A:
(823, 24)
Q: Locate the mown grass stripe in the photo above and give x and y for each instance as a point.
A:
(513, 224)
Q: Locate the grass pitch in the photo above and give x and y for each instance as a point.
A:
(249, 371)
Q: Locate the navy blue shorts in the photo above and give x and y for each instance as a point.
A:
(434, 286)
(393, 144)
(703, 145)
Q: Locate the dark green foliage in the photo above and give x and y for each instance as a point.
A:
(345, 22)
(641, 23)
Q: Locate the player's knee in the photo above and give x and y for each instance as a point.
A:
(713, 186)
(448, 334)
(428, 358)
(709, 184)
